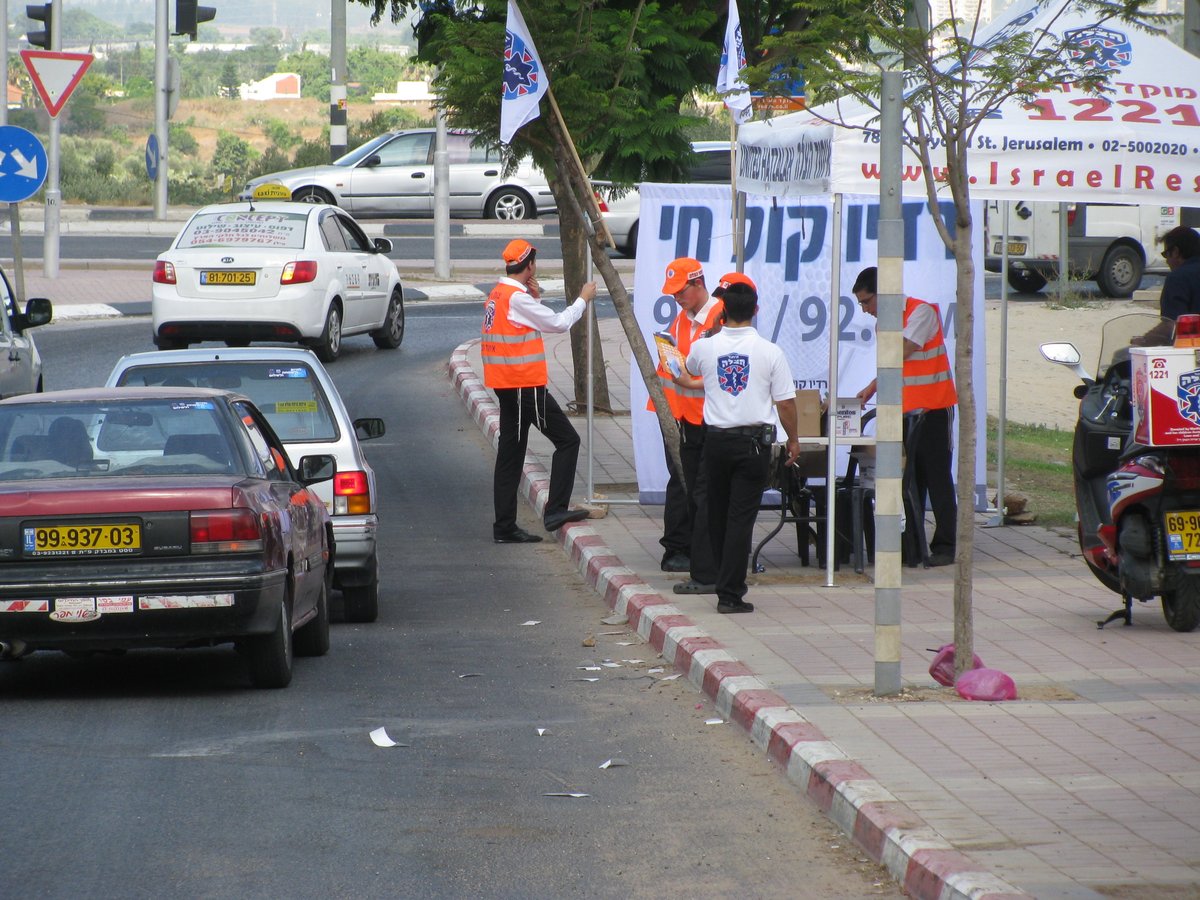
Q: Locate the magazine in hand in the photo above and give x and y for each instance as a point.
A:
(668, 353)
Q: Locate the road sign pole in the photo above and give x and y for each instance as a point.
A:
(53, 194)
(161, 87)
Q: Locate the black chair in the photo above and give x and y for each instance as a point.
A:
(69, 442)
(212, 446)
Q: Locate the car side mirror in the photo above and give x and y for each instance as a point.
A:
(383, 245)
(38, 311)
(372, 160)
(366, 429)
(315, 468)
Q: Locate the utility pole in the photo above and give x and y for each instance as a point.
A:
(161, 87)
(337, 78)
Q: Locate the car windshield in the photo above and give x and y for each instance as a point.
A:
(288, 393)
(362, 152)
(140, 437)
(281, 230)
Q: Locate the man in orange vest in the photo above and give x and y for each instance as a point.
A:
(929, 399)
(685, 540)
(514, 366)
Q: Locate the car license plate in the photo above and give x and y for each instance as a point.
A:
(1183, 534)
(110, 539)
(226, 277)
(1015, 248)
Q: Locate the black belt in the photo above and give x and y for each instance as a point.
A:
(747, 430)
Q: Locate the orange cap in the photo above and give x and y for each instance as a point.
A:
(680, 272)
(731, 279)
(517, 250)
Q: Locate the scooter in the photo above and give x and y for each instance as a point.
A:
(1138, 504)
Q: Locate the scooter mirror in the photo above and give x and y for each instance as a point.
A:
(1063, 353)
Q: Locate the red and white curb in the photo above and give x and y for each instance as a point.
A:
(920, 859)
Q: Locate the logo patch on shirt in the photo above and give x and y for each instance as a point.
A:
(489, 315)
(733, 371)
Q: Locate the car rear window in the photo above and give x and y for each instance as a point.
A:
(244, 229)
(287, 393)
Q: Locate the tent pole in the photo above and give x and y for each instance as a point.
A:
(835, 316)
(998, 518)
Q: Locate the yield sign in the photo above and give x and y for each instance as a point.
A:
(55, 74)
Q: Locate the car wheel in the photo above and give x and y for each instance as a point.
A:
(1121, 272)
(510, 203)
(1025, 281)
(270, 655)
(313, 195)
(330, 343)
(313, 638)
(361, 602)
(391, 335)
(163, 343)
(631, 242)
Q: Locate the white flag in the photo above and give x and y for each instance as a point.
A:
(525, 80)
(733, 59)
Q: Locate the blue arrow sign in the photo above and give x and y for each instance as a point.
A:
(22, 164)
(152, 157)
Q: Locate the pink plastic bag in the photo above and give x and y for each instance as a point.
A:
(985, 684)
(942, 667)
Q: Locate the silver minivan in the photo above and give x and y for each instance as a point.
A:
(294, 391)
(392, 175)
(20, 362)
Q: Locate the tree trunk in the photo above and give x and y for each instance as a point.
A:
(964, 357)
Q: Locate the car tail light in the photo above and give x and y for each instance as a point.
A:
(299, 272)
(1072, 211)
(351, 494)
(600, 202)
(226, 531)
(1185, 469)
(164, 272)
(1187, 331)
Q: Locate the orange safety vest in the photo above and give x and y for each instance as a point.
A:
(928, 382)
(513, 355)
(686, 403)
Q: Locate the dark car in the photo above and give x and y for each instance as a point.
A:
(159, 517)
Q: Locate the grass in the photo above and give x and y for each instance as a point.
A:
(1037, 464)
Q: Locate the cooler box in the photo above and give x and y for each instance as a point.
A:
(1166, 395)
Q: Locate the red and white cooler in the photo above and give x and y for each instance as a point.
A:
(1166, 395)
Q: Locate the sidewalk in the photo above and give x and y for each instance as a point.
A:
(1087, 786)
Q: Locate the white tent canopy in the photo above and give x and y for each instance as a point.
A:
(1139, 143)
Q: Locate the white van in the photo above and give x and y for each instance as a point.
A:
(1112, 243)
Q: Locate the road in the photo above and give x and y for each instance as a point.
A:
(160, 773)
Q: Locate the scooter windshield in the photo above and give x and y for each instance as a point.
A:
(1134, 329)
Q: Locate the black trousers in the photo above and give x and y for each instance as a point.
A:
(685, 513)
(737, 468)
(928, 443)
(521, 408)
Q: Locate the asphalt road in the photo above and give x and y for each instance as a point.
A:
(158, 773)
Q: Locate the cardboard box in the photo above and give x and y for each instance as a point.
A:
(1166, 395)
(808, 413)
(847, 417)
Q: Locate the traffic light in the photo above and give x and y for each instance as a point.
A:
(188, 16)
(39, 13)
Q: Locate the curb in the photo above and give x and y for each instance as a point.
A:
(915, 855)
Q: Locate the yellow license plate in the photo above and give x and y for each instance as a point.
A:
(226, 277)
(1015, 248)
(110, 539)
(1183, 534)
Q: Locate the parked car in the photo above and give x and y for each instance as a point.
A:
(20, 362)
(159, 517)
(621, 211)
(276, 271)
(392, 175)
(295, 393)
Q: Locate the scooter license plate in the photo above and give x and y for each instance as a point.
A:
(1183, 534)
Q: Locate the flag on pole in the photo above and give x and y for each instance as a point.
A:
(733, 59)
(525, 80)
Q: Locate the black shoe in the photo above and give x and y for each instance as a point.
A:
(941, 559)
(558, 520)
(517, 536)
(691, 586)
(676, 562)
(740, 606)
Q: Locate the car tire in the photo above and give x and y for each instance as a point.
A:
(510, 203)
(391, 335)
(163, 343)
(361, 602)
(1025, 281)
(1121, 271)
(313, 638)
(631, 242)
(270, 655)
(313, 195)
(329, 345)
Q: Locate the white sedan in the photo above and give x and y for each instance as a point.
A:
(276, 271)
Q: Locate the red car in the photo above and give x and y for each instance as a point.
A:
(159, 517)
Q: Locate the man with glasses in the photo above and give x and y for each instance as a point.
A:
(1181, 288)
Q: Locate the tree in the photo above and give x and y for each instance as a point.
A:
(230, 85)
(952, 82)
(232, 157)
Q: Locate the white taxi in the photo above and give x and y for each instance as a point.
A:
(273, 270)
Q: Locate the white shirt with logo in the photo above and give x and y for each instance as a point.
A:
(744, 374)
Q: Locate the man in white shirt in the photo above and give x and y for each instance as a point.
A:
(746, 381)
